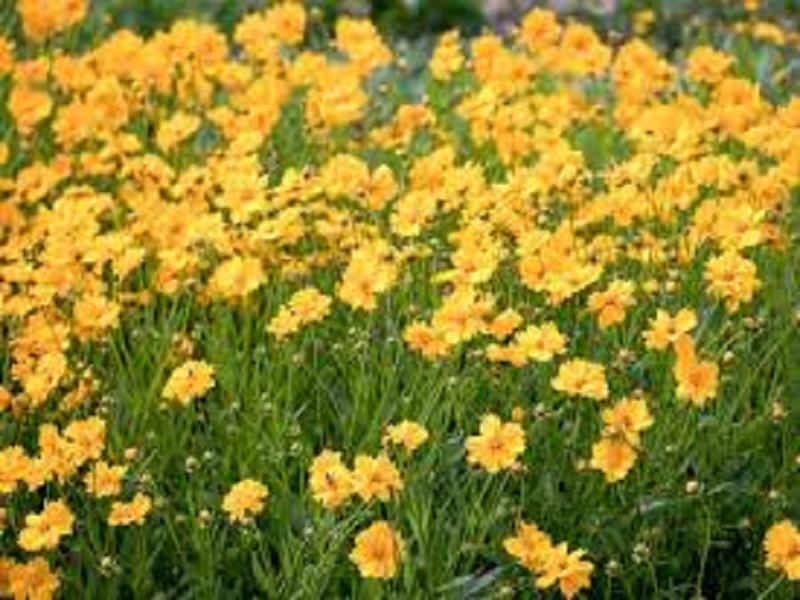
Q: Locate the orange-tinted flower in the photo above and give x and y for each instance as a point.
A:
(782, 547)
(614, 457)
(409, 434)
(44, 531)
(192, 380)
(245, 500)
(105, 480)
(130, 513)
(497, 446)
(580, 377)
(331, 482)
(665, 329)
(376, 478)
(378, 551)
(697, 380)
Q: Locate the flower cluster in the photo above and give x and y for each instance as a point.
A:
(343, 278)
(372, 477)
(550, 563)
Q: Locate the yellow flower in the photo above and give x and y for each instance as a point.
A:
(506, 354)
(540, 343)
(236, 278)
(33, 580)
(130, 513)
(370, 272)
(43, 19)
(614, 457)
(310, 305)
(336, 100)
(707, 65)
(504, 324)
(105, 480)
(462, 315)
(530, 546)
(627, 419)
(581, 52)
(732, 278)
(498, 445)
(331, 482)
(29, 107)
(179, 127)
(378, 551)
(665, 329)
(306, 306)
(580, 377)
(426, 340)
(611, 304)
(245, 500)
(548, 562)
(6, 399)
(376, 478)
(6, 66)
(782, 547)
(408, 434)
(287, 22)
(44, 531)
(192, 380)
(572, 573)
(697, 380)
(539, 30)
(447, 58)
(361, 42)
(88, 437)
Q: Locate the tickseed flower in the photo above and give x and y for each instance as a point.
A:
(666, 330)
(540, 343)
(617, 450)
(190, 381)
(627, 419)
(426, 340)
(105, 480)
(33, 579)
(306, 306)
(378, 551)
(614, 457)
(498, 445)
(550, 563)
(707, 65)
(40, 22)
(376, 478)
(44, 531)
(237, 277)
(697, 380)
(245, 500)
(782, 548)
(732, 278)
(408, 434)
(130, 513)
(580, 377)
(611, 304)
(331, 482)
(447, 57)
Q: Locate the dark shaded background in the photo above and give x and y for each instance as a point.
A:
(411, 18)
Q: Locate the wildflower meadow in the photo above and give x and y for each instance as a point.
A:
(299, 310)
